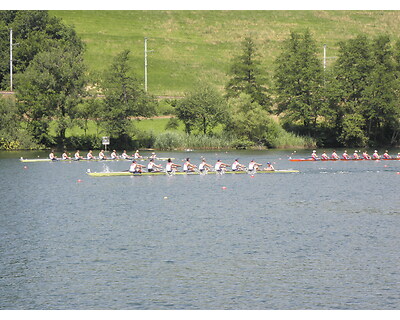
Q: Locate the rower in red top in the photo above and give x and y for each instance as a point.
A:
(386, 155)
(314, 155)
(345, 155)
(324, 156)
(366, 156)
(335, 155)
(375, 155)
(355, 155)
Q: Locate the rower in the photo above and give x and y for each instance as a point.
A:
(375, 155)
(188, 167)
(90, 155)
(314, 155)
(77, 156)
(355, 155)
(65, 156)
(324, 156)
(386, 155)
(135, 167)
(345, 155)
(269, 167)
(236, 166)
(124, 155)
(254, 166)
(170, 167)
(220, 166)
(137, 155)
(152, 167)
(398, 155)
(203, 166)
(52, 156)
(335, 155)
(114, 155)
(366, 156)
(102, 156)
(153, 156)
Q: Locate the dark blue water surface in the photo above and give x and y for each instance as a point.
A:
(325, 238)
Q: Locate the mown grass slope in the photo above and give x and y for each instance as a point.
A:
(192, 46)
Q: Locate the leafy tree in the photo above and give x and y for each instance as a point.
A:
(124, 98)
(34, 31)
(299, 81)
(201, 109)
(248, 120)
(50, 88)
(247, 76)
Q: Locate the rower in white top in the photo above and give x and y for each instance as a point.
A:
(152, 167)
(204, 166)
(135, 167)
(188, 167)
(114, 155)
(220, 166)
(254, 166)
(102, 156)
(90, 155)
(65, 156)
(124, 155)
(171, 167)
(236, 166)
(137, 155)
(52, 156)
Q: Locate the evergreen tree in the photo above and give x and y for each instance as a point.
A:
(247, 76)
(124, 98)
(299, 82)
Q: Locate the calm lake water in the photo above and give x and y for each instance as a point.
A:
(325, 238)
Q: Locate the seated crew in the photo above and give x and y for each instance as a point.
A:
(236, 166)
(77, 156)
(102, 156)
(345, 155)
(334, 155)
(90, 155)
(324, 156)
(376, 155)
(203, 166)
(366, 156)
(65, 156)
(52, 156)
(171, 167)
(152, 167)
(188, 167)
(135, 167)
(386, 155)
(314, 155)
(254, 166)
(220, 166)
(124, 155)
(269, 167)
(114, 155)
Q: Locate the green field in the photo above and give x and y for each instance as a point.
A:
(192, 46)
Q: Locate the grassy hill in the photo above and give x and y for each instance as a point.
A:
(198, 45)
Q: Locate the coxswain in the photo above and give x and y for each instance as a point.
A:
(386, 155)
(366, 156)
(254, 166)
(65, 156)
(170, 166)
(102, 156)
(52, 156)
(375, 155)
(135, 167)
(324, 156)
(355, 155)
(90, 155)
(345, 155)
(334, 155)
(114, 155)
(204, 165)
(314, 155)
(188, 167)
(77, 156)
(124, 155)
(236, 166)
(220, 166)
(269, 167)
(137, 155)
(152, 167)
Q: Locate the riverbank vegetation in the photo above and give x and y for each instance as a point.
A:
(299, 102)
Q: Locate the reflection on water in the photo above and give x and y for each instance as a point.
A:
(325, 238)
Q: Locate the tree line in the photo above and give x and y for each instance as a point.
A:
(353, 103)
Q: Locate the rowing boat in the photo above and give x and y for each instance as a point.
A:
(161, 173)
(91, 160)
(310, 159)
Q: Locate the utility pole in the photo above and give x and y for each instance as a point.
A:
(11, 64)
(145, 63)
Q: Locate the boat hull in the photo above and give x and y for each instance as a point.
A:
(127, 173)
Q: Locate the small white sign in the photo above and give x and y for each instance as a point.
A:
(106, 140)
